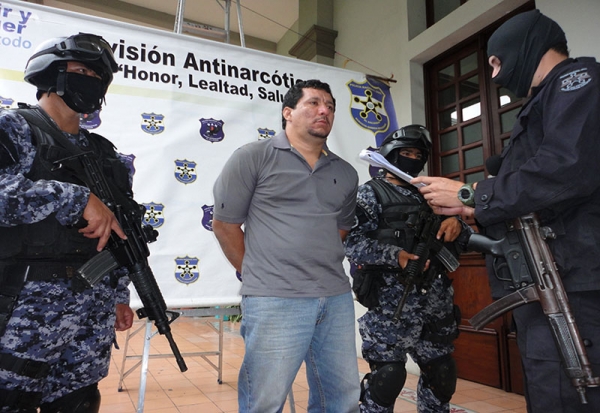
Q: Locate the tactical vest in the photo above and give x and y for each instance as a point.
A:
(49, 240)
(398, 216)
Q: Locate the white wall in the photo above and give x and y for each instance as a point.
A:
(373, 37)
(579, 20)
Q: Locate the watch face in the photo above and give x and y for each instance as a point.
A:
(466, 195)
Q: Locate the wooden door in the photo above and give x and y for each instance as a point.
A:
(470, 119)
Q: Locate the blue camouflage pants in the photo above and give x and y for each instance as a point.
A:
(386, 340)
(71, 331)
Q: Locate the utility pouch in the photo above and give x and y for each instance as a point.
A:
(12, 280)
(366, 285)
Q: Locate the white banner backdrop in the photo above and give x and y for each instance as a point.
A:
(181, 105)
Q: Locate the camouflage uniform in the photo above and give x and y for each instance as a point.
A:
(53, 321)
(427, 326)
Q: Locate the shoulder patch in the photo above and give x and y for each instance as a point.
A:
(575, 80)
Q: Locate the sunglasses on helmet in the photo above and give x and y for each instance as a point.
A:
(408, 134)
(83, 45)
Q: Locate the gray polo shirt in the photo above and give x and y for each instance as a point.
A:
(291, 215)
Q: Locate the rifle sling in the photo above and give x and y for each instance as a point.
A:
(38, 118)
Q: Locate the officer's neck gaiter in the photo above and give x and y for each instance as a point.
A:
(83, 94)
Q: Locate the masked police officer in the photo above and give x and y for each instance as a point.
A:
(550, 167)
(56, 333)
(381, 244)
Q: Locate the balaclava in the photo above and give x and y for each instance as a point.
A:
(520, 44)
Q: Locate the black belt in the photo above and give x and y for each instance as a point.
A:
(51, 271)
(29, 368)
(43, 271)
(47, 271)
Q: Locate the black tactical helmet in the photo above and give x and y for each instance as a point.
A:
(411, 136)
(43, 67)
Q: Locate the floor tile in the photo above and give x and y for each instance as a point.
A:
(197, 390)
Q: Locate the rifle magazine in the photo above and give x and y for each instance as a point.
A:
(504, 304)
(97, 267)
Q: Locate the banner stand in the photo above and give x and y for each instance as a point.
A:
(144, 358)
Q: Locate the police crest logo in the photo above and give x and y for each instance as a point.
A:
(186, 269)
(90, 120)
(212, 129)
(575, 80)
(367, 106)
(185, 171)
(264, 133)
(154, 215)
(207, 217)
(152, 123)
(6, 103)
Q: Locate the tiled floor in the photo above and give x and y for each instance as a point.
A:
(198, 391)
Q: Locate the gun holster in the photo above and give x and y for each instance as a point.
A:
(365, 285)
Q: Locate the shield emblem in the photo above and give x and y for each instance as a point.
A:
(264, 133)
(212, 129)
(6, 102)
(90, 120)
(186, 269)
(207, 217)
(367, 106)
(152, 123)
(185, 171)
(154, 215)
(575, 80)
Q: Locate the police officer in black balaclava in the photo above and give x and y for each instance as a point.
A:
(519, 45)
(549, 167)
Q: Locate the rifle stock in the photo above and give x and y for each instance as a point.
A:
(536, 278)
(131, 253)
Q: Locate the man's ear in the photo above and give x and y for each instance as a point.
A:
(287, 113)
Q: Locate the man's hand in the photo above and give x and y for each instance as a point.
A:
(404, 257)
(450, 229)
(124, 319)
(442, 195)
(101, 222)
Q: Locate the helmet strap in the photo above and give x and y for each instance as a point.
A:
(61, 80)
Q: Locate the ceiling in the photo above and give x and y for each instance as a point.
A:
(264, 19)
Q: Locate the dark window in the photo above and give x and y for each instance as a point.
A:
(436, 10)
(459, 121)
(470, 117)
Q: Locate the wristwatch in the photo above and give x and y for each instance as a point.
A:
(466, 195)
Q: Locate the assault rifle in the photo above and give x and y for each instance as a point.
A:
(426, 225)
(131, 253)
(535, 277)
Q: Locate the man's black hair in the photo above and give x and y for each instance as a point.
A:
(561, 48)
(291, 98)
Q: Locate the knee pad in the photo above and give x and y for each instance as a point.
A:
(84, 400)
(386, 382)
(439, 375)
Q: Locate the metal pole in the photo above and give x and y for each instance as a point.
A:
(179, 16)
(227, 28)
(144, 371)
(240, 24)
